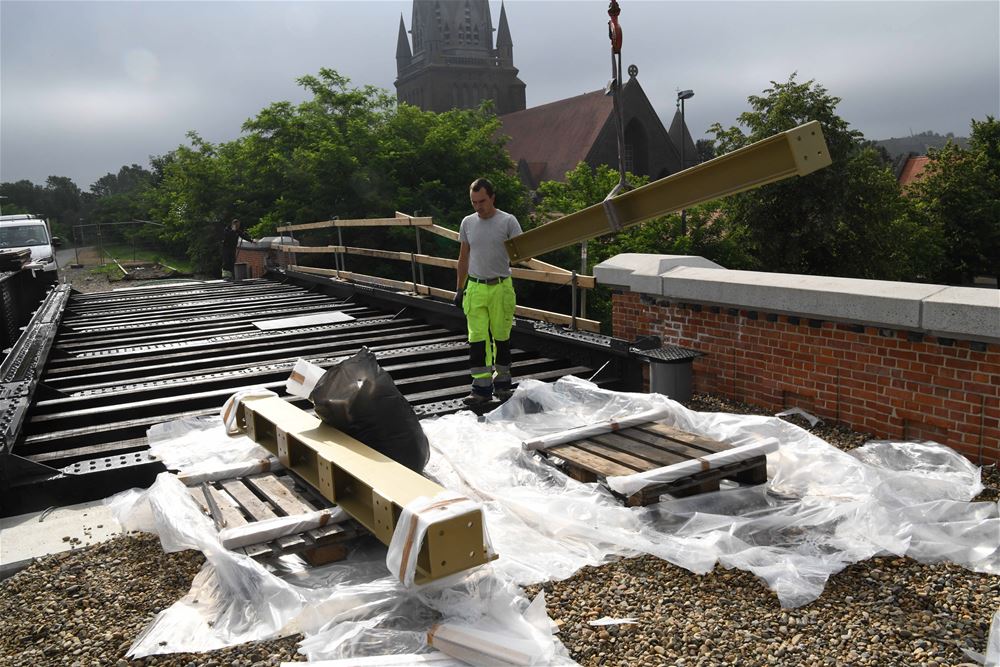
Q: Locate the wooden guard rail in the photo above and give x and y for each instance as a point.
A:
(535, 270)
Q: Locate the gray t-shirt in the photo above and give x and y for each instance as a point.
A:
(488, 256)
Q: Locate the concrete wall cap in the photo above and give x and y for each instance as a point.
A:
(640, 272)
(959, 312)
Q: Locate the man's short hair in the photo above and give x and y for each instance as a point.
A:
(482, 184)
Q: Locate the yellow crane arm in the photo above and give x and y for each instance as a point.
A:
(795, 152)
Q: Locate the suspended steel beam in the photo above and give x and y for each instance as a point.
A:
(796, 152)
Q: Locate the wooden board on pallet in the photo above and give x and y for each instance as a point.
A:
(650, 446)
(244, 500)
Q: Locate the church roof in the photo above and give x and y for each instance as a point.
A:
(553, 138)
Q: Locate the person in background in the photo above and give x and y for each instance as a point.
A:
(485, 293)
(230, 239)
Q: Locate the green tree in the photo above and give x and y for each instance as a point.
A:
(959, 194)
(347, 152)
(193, 192)
(845, 220)
(60, 201)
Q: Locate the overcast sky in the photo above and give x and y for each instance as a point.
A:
(87, 87)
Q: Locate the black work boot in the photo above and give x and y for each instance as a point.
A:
(479, 396)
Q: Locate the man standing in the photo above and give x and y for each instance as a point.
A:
(230, 238)
(485, 293)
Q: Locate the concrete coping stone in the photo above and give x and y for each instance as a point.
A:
(959, 312)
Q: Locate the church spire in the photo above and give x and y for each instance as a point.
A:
(503, 32)
(505, 45)
(403, 53)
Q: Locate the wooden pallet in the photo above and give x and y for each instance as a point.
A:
(245, 500)
(650, 446)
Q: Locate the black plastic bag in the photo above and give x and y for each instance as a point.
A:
(359, 398)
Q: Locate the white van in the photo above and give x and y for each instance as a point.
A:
(27, 231)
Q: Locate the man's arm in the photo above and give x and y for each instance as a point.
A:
(463, 266)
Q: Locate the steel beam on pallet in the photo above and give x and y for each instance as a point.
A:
(796, 152)
(369, 486)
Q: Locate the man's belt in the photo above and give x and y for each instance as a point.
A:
(488, 281)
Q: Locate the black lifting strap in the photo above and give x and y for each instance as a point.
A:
(615, 87)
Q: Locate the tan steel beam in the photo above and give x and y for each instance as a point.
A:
(369, 486)
(797, 152)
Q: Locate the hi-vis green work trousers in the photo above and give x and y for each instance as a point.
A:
(489, 313)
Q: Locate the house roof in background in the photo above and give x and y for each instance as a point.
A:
(913, 169)
(553, 138)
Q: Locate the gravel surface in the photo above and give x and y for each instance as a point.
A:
(86, 606)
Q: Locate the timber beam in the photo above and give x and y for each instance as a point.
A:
(796, 152)
(369, 486)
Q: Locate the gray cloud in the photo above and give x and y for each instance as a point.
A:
(86, 87)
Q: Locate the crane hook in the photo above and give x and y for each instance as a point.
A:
(614, 30)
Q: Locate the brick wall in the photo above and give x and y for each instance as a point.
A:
(254, 258)
(890, 383)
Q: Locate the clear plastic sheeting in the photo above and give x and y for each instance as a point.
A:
(201, 446)
(821, 510)
(347, 609)
(269, 529)
(922, 467)
(629, 484)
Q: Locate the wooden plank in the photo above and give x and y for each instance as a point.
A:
(523, 311)
(227, 508)
(656, 455)
(279, 494)
(363, 222)
(345, 530)
(625, 459)
(541, 276)
(539, 265)
(324, 544)
(443, 231)
(697, 441)
(590, 462)
(254, 506)
(554, 278)
(558, 318)
(666, 444)
(199, 498)
(309, 249)
(289, 483)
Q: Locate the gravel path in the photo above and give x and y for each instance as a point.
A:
(86, 606)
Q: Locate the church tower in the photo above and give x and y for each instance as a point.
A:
(452, 62)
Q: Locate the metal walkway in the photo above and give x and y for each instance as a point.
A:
(94, 371)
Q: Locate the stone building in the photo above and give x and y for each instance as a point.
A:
(452, 62)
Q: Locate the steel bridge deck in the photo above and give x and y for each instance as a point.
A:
(121, 361)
